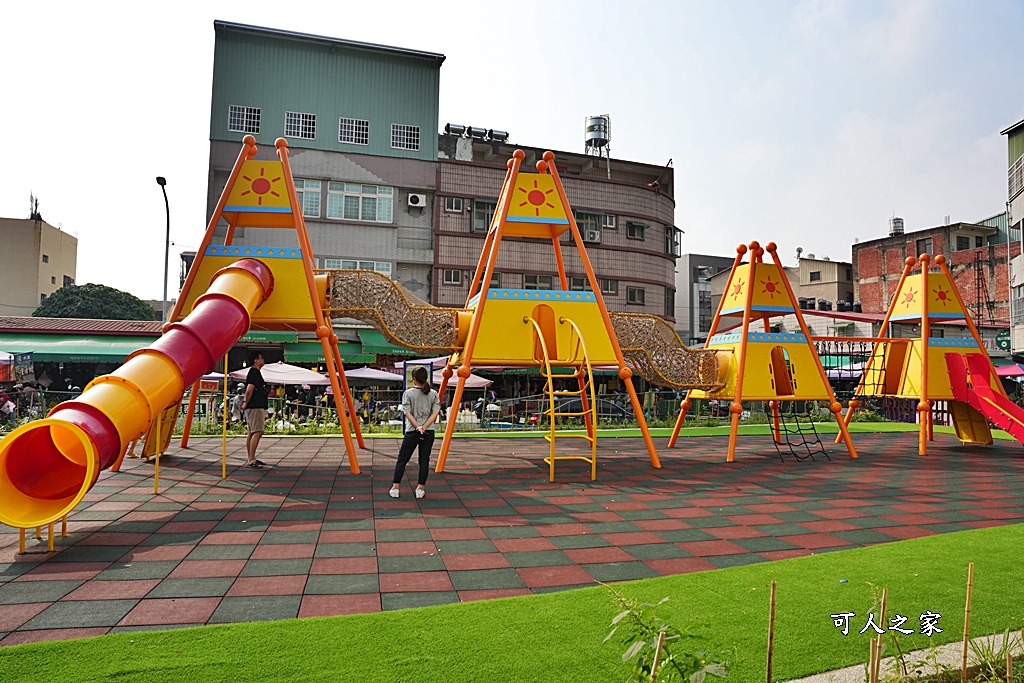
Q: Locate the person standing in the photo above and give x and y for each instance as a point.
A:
(421, 406)
(255, 407)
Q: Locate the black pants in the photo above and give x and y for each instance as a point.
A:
(412, 439)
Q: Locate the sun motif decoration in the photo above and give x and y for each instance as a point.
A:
(770, 288)
(909, 297)
(536, 197)
(261, 186)
(943, 296)
(737, 289)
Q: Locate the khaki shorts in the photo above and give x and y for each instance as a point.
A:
(256, 418)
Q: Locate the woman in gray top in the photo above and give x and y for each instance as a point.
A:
(421, 407)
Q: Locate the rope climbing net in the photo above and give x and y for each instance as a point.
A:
(797, 434)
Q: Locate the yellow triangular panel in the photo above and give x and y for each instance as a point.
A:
(735, 294)
(942, 300)
(259, 197)
(770, 294)
(535, 210)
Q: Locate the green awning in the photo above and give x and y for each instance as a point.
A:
(313, 352)
(374, 342)
(78, 348)
(1002, 362)
(277, 337)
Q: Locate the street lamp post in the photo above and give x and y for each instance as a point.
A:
(162, 182)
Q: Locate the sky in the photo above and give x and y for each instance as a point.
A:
(808, 123)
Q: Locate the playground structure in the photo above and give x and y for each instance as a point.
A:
(763, 365)
(929, 369)
(48, 466)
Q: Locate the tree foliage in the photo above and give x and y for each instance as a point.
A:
(94, 301)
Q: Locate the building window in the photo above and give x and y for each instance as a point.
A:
(979, 241)
(46, 259)
(673, 241)
(309, 197)
(495, 280)
(815, 276)
(453, 204)
(610, 287)
(963, 243)
(635, 231)
(53, 279)
(68, 281)
(298, 125)
(353, 131)
(244, 119)
(670, 302)
(635, 295)
(536, 281)
(332, 263)
(704, 310)
(589, 225)
(849, 273)
(483, 214)
(924, 246)
(378, 266)
(608, 221)
(579, 284)
(405, 137)
(452, 277)
(42, 298)
(355, 202)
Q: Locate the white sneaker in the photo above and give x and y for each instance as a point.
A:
(420, 493)
(394, 493)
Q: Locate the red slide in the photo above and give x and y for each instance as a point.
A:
(970, 377)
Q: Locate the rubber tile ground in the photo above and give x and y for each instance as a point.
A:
(305, 537)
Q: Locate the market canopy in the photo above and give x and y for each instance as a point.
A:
(74, 348)
(1010, 371)
(372, 375)
(374, 342)
(282, 373)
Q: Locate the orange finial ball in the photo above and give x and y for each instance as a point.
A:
(755, 245)
(519, 154)
(910, 260)
(549, 156)
(924, 258)
(940, 259)
(323, 331)
(280, 143)
(248, 140)
(463, 372)
(771, 247)
(542, 166)
(741, 249)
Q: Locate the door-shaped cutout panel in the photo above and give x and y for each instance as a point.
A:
(545, 318)
(895, 361)
(781, 375)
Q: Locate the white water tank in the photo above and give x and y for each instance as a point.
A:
(895, 226)
(598, 131)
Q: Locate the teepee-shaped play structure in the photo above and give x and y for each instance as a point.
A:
(544, 329)
(762, 365)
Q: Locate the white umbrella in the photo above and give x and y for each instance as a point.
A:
(283, 373)
(371, 374)
(472, 382)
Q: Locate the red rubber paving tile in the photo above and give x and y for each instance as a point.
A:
(680, 565)
(232, 538)
(475, 561)
(458, 534)
(407, 582)
(283, 551)
(195, 569)
(400, 523)
(591, 517)
(334, 605)
(250, 515)
(552, 530)
(22, 637)
(113, 590)
(155, 553)
(268, 585)
(687, 513)
(661, 524)
(188, 527)
(13, 616)
(829, 526)
(473, 595)
(711, 548)
(840, 513)
(752, 520)
(295, 525)
(521, 545)
(634, 538)
(727, 532)
(596, 555)
(404, 548)
(115, 538)
(545, 577)
(147, 515)
(357, 536)
(902, 533)
(914, 520)
(67, 571)
(502, 520)
(171, 611)
(344, 565)
(812, 541)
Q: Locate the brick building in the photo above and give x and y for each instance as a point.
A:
(976, 254)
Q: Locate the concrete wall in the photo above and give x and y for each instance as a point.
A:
(24, 278)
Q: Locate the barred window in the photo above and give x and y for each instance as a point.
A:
(483, 214)
(579, 284)
(309, 197)
(536, 281)
(244, 119)
(405, 137)
(332, 263)
(635, 295)
(635, 231)
(298, 125)
(378, 266)
(355, 202)
(353, 131)
(610, 287)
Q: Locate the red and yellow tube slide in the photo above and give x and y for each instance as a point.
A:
(47, 466)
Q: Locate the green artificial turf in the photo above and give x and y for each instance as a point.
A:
(557, 637)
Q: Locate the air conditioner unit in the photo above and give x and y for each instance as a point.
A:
(417, 200)
(591, 235)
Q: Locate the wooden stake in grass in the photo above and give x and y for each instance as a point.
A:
(880, 642)
(872, 653)
(657, 656)
(771, 631)
(1009, 666)
(967, 622)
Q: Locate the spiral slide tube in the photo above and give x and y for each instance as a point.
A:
(47, 466)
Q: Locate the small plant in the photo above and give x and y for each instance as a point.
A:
(640, 628)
